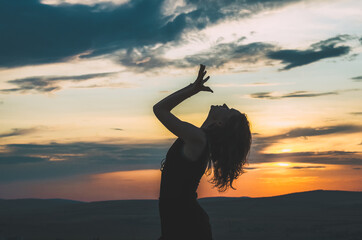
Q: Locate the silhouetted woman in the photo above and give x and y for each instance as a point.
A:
(220, 145)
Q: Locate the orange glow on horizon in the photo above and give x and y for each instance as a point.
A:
(260, 180)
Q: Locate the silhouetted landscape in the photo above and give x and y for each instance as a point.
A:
(318, 214)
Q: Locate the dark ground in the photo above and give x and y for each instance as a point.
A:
(314, 215)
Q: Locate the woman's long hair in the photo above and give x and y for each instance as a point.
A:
(229, 147)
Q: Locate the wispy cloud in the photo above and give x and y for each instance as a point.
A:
(296, 94)
(356, 113)
(357, 79)
(316, 131)
(256, 84)
(217, 56)
(327, 157)
(321, 50)
(306, 167)
(48, 83)
(117, 129)
(237, 52)
(18, 132)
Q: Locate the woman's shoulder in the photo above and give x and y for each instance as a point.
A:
(194, 148)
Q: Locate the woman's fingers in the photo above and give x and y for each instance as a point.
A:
(206, 79)
(199, 83)
(207, 89)
(202, 68)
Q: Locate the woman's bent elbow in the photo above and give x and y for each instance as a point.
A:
(156, 109)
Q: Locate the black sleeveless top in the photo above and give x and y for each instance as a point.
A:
(180, 175)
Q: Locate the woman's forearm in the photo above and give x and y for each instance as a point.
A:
(174, 99)
(171, 101)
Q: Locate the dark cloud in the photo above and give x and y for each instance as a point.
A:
(328, 157)
(41, 161)
(250, 168)
(37, 33)
(310, 132)
(48, 83)
(117, 129)
(217, 56)
(356, 168)
(18, 132)
(324, 49)
(296, 94)
(307, 167)
(231, 52)
(57, 160)
(19, 160)
(356, 113)
(357, 79)
(260, 143)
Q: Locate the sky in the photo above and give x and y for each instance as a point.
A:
(78, 80)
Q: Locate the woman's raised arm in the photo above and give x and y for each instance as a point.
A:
(162, 109)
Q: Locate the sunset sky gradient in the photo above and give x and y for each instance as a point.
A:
(78, 80)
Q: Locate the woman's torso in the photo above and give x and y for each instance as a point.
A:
(180, 175)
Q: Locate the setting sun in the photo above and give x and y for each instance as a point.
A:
(283, 164)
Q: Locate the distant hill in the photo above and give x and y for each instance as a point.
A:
(323, 196)
(318, 214)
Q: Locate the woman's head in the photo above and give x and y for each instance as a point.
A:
(229, 137)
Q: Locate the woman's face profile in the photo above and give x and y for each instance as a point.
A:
(220, 113)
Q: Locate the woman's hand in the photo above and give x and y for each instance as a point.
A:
(198, 85)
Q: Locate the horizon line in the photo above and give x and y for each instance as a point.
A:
(156, 199)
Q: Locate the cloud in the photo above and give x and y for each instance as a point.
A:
(48, 83)
(18, 132)
(319, 131)
(307, 167)
(53, 160)
(58, 160)
(105, 3)
(327, 157)
(356, 113)
(357, 79)
(250, 168)
(224, 53)
(217, 56)
(38, 33)
(19, 160)
(117, 129)
(260, 143)
(324, 49)
(296, 94)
